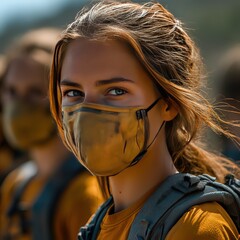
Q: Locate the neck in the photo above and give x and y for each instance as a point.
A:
(134, 182)
(49, 156)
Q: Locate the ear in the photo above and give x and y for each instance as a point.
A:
(169, 110)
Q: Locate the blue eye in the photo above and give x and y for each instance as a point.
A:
(74, 93)
(116, 92)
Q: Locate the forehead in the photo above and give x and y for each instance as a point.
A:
(89, 58)
(25, 71)
(88, 47)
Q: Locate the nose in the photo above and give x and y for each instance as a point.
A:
(92, 98)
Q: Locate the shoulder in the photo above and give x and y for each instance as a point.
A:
(78, 202)
(16, 176)
(83, 184)
(204, 221)
(81, 192)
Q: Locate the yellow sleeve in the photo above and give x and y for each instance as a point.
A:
(206, 221)
(6, 192)
(79, 201)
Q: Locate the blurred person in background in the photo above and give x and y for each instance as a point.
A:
(51, 196)
(10, 158)
(228, 91)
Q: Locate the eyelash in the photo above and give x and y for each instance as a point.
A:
(80, 95)
(65, 93)
(116, 89)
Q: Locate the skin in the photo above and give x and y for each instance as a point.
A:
(24, 80)
(108, 73)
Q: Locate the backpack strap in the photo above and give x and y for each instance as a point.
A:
(168, 194)
(91, 230)
(19, 159)
(232, 186)
(28, 171)
(43, 209)
(175, 196)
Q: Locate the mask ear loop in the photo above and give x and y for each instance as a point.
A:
(152, 105)
(141, 154)
(155, 136)
(142, 114)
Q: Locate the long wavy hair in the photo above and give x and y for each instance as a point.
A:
(171, 58)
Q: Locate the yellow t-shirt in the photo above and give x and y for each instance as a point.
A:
(205, 221)
(77, 203)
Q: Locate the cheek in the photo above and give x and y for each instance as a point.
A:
(146, 97)
(155, 120)
(155, 115)
(147, 92)
(63, 102)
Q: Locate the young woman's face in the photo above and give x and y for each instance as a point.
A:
(108, 73)
(104, 73)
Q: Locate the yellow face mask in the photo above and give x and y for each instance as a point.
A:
(106, 139)
(27, 125)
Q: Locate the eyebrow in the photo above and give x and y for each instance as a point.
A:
(67, 82)
(113, 80)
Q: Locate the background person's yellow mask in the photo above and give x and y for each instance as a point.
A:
(27, 124)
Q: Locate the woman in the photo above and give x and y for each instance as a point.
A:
(51, 196)
(125, 93)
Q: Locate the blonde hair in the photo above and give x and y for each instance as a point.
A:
(171, 58)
